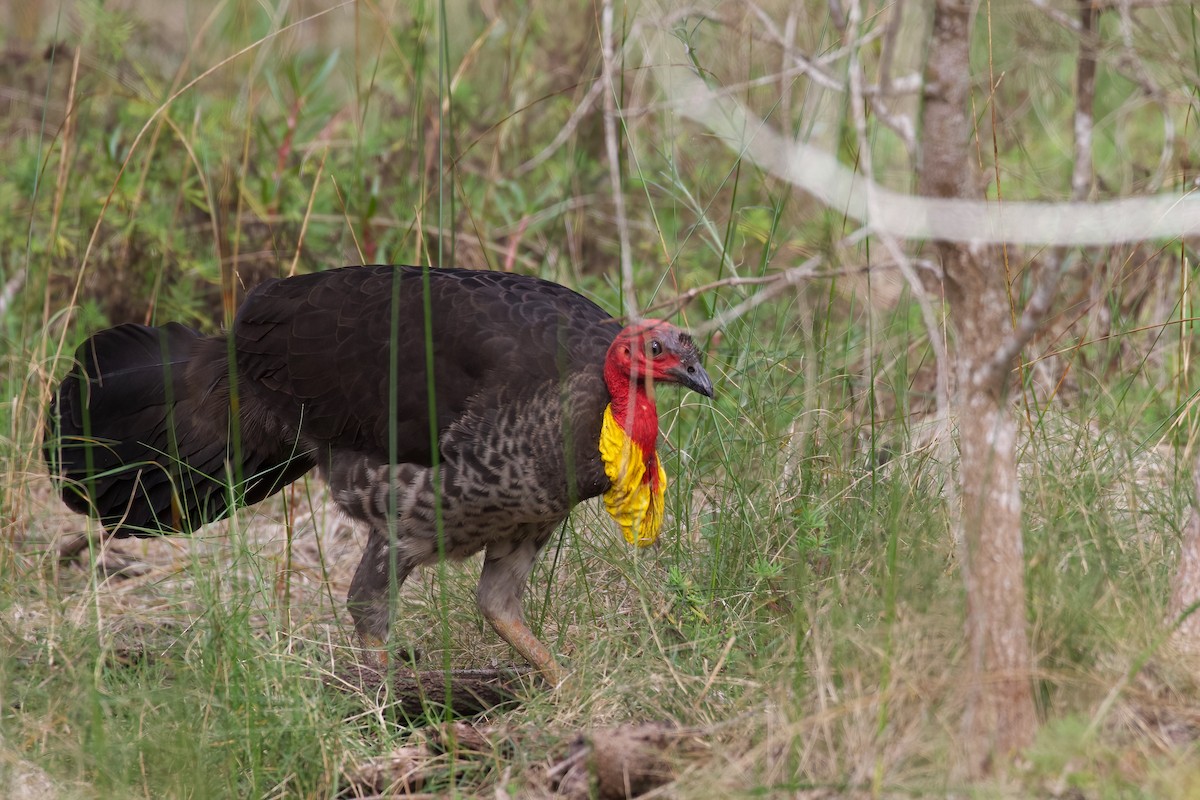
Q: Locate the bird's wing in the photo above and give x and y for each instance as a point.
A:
(340, 356)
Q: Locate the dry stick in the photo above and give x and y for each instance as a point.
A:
(669, 306)
(937, 340)
(1085, 95)
(788, 278)
(312, 196)
(679, 301)
(901, 125)
(810, 67)
(788, 45)
(69, 123)
(614, 164)
(337, 190)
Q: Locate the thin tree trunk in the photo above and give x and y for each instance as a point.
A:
(1185, 582)
(1000, 715)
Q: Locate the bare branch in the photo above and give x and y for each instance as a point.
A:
(778, 283)
(1032, 316)
(934, 214)
(1130, 64)
(901, 125)
(670, 305)
(1059, 17)
(928, 316)
(11, 287)
(909, 84)
(730, 90)
(804, 65)
(614, 159)
(796, 64)
(1085, 96)
(1040, 302)
(789, 48)
(891, 31)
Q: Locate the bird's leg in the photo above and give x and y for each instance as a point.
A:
(106, 559)
(506, 568)
(372, 593)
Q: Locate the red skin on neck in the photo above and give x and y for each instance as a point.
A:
(634, 410)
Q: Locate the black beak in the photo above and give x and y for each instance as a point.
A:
(693, 376)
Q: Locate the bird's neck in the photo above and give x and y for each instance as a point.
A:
(634, 410)
(628, 436)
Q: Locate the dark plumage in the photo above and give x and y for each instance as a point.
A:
(329, 370)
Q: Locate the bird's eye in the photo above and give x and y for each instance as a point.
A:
(655, 347)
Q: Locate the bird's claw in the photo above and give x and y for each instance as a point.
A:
(377, 655)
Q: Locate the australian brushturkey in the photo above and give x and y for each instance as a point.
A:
(536, 397)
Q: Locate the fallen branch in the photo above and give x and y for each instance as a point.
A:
(621, 762)
(415, 693)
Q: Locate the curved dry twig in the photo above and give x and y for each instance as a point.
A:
(778, 283)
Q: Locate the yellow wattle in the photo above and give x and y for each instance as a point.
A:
(632, 500)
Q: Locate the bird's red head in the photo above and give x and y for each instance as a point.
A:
(654, 351)
(648, 352)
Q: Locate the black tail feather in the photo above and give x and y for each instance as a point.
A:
(130, 442)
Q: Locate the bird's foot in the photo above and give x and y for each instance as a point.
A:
(377, 655)
(514, 631)
(108, 561)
